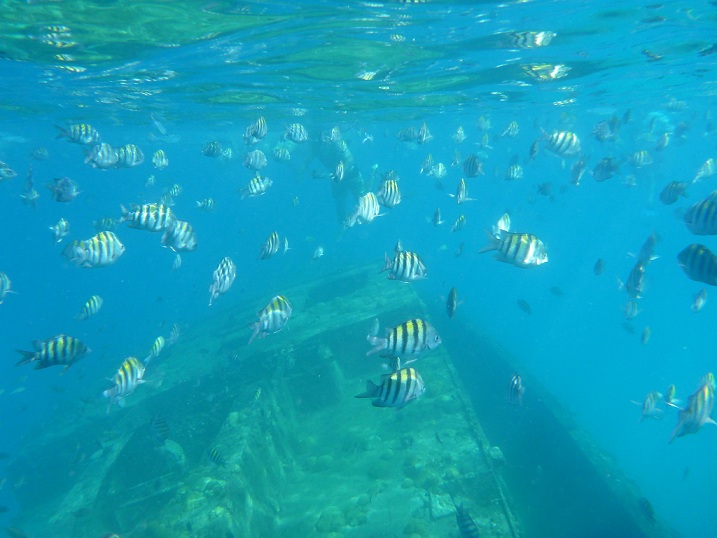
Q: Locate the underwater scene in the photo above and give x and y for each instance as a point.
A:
(367, 269)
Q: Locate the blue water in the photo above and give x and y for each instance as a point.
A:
(452, 66)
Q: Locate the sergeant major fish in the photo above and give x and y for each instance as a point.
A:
(466, 526)
(396, 390)
(519, 249)
(272, 318)
(222, 278)
(406, 266)
(157, 348)
(515, 389)
(90, 308)
(101, 250)
(562, 143)
(58, 350)
(60, 230)
(125, 381)
(179, 236)
(390, 194)
(411, 338)
(256, 187)
(255, 160)
(699, 263)
(701, 218)
(149, 217)
(698, 411)
(79, 133)
(461, 193)
(270, 246)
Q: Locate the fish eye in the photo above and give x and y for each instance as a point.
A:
(436, 338)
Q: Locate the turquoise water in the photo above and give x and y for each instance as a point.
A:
(206, 70)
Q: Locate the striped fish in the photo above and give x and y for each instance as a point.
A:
(515, 389)
(410, 338)
(102, 156)
(459, 224)
(635, 280)
(405, 266)
(699, 263)
(649, 406)
(157, 348)
(272, 318)
(128, 156)
(701, 218)
(640, 158)
(255, 131)
(216, 457)
(466, 525)
(128, 377)
(255, 160)
(91, 307)
(472, 167)
(296, 133)
(461, 194)
(452, 303)
(207, 204)
(59, 350)
(174, 334)
(180, 236)
(159, 160)
(80, 133)
(60, 230)
(562, 143)
(101, 250)
(396, 389)
(519, 249)
(673, 191)
(222, 278)
(256, 187)
(148, 217)
(366, 210)
(390, 193)
(270, 246)
(698, 410)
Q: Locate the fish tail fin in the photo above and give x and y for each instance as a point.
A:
(62, 133)
(27, 357)
(373, 339)
(387, 263)
(256, 329)
(493, 243)
(372, 390)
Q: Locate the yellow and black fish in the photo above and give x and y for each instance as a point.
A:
(396, 389)
(60, 350)
(216, 457)
(701, 218)
(128, 377)
(91, 307)
(699, 263)
(410, 338)
(149, 217)
(80, 133)
(390, 193)
(519, 249)
(272, 318)
(256, 187)
(405, 266)
(562, 143)
(270, 246)
(673, 191)
(101, 250)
